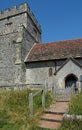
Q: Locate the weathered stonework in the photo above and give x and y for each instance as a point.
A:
(38, 73)
(19, 30)
(69, 68)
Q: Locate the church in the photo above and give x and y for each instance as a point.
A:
(27, 62)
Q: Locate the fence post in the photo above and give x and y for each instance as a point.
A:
(31, 104)
(43, 97)
(53, 91)
(46, 85)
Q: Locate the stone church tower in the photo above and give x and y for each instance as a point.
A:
(19, 30)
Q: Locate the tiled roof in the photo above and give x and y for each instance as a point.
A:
(55, 50)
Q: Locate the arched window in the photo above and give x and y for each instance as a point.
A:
(50, 71)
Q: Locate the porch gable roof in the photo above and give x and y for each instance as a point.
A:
(69, 59)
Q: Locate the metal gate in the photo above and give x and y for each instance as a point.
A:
(63, 94)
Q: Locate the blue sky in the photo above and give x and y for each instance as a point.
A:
(59, 19)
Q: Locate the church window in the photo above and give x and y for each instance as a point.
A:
(50, 71)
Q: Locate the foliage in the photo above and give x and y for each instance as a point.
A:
(14, 110)
(75, 106)
(71, 125)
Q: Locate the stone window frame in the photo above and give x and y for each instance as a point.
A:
(50, 72)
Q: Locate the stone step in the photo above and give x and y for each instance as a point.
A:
(49, 124)
(52, 117)
(58, 107)
(62, 100)
(54, 112)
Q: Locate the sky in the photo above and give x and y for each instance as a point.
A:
(59, 19)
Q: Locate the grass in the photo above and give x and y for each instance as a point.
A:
(14, 110)
(75, 107)
(71, 125)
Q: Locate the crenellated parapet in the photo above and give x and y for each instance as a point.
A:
(23, 8)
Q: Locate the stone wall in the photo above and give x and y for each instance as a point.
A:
(16, 39)
(11, 18)
(7, 59)
(38, 73)
(69, 68)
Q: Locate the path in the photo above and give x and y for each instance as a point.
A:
(53, 116)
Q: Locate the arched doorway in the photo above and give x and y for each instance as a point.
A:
(70, 80)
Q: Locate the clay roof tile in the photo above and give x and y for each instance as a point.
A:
(55, 50)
